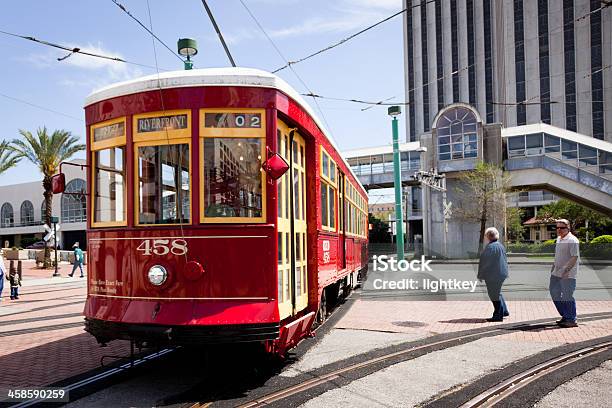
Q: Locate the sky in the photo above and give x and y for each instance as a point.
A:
(369, 67)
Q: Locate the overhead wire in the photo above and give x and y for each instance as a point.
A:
(290, 67)
(126, 11)
(526, 101)
(73, 50)
(332, 46)
(40, 107)
(179, 198)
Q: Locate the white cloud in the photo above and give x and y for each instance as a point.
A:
(81, 66)
(349, 15)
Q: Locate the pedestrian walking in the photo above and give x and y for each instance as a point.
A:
(15, 282)
(2, 274)
(563, 274)
(493, 269)
(78, 259)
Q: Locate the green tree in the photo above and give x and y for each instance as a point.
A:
(8, 157)
(514, 224)
(380, 230)
(482, 196)
(582, 220)
(47, 152)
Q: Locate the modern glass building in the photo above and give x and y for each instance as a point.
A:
(518, 62)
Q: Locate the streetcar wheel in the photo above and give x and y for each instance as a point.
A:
(322, 312)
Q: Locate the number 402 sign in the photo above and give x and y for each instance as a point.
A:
(163, 247)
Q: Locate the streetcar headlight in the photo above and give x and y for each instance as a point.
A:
(157, 275)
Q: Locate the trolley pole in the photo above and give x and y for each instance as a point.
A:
(394, 111)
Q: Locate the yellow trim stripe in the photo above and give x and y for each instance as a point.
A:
(180, 237)
(180, 298)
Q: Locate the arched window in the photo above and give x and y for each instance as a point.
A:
(457, 134)
(7, 218)
(74, 208)
(27, 213)
(43, 208)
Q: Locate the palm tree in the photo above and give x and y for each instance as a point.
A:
(8, 157)
(47, 152)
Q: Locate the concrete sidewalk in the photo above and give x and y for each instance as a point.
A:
(33, 275)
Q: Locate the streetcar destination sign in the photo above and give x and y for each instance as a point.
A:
(161, 123)
(232, 120)
(109, 131)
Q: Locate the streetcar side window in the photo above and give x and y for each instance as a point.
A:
(163, 184)
(109, 185)
(232, 177)
(232, 151)
(328, 192)
(109, 194)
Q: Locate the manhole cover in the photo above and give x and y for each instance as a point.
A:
(410, 324)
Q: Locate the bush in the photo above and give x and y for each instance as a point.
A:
(599, 248)
(519, 248)
(546, 247)
(602, 239)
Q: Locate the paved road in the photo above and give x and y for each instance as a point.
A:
(526, 282)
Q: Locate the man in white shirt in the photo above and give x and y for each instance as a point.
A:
(563, 274)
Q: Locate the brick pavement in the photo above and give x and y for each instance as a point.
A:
(433, 317)
(49, 354)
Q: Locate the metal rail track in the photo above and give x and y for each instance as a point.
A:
(327, 378)
(508, 387)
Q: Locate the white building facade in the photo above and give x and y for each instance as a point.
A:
(22, 209)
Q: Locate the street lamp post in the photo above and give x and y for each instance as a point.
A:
(394, 111)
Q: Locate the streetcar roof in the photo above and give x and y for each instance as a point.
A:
(247, 77)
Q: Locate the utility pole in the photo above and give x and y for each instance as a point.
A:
(394, 111)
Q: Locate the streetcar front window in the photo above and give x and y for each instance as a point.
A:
(232, 177)
(109, 179)
(164, 184)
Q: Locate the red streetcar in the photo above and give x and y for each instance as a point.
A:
(219, 211)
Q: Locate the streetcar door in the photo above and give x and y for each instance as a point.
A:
(342, 223)
(292, 256)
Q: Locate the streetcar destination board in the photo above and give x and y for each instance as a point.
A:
(232, 120)
(109, 131)
(161, 123)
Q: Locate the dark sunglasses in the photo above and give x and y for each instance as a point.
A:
(561, 227)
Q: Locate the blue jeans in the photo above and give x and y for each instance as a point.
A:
(75, 266)
(499, 304)
(14, 292)
(562, 293)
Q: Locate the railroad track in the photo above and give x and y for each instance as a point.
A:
(314, 383)
(507, 388)
(308, 383)
(89, 383)
(526, 381)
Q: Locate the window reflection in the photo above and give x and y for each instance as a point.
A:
(163, 175)
(232, 177)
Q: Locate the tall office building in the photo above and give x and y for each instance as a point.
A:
(555, 56)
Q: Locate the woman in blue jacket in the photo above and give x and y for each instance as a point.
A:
(493, 269)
